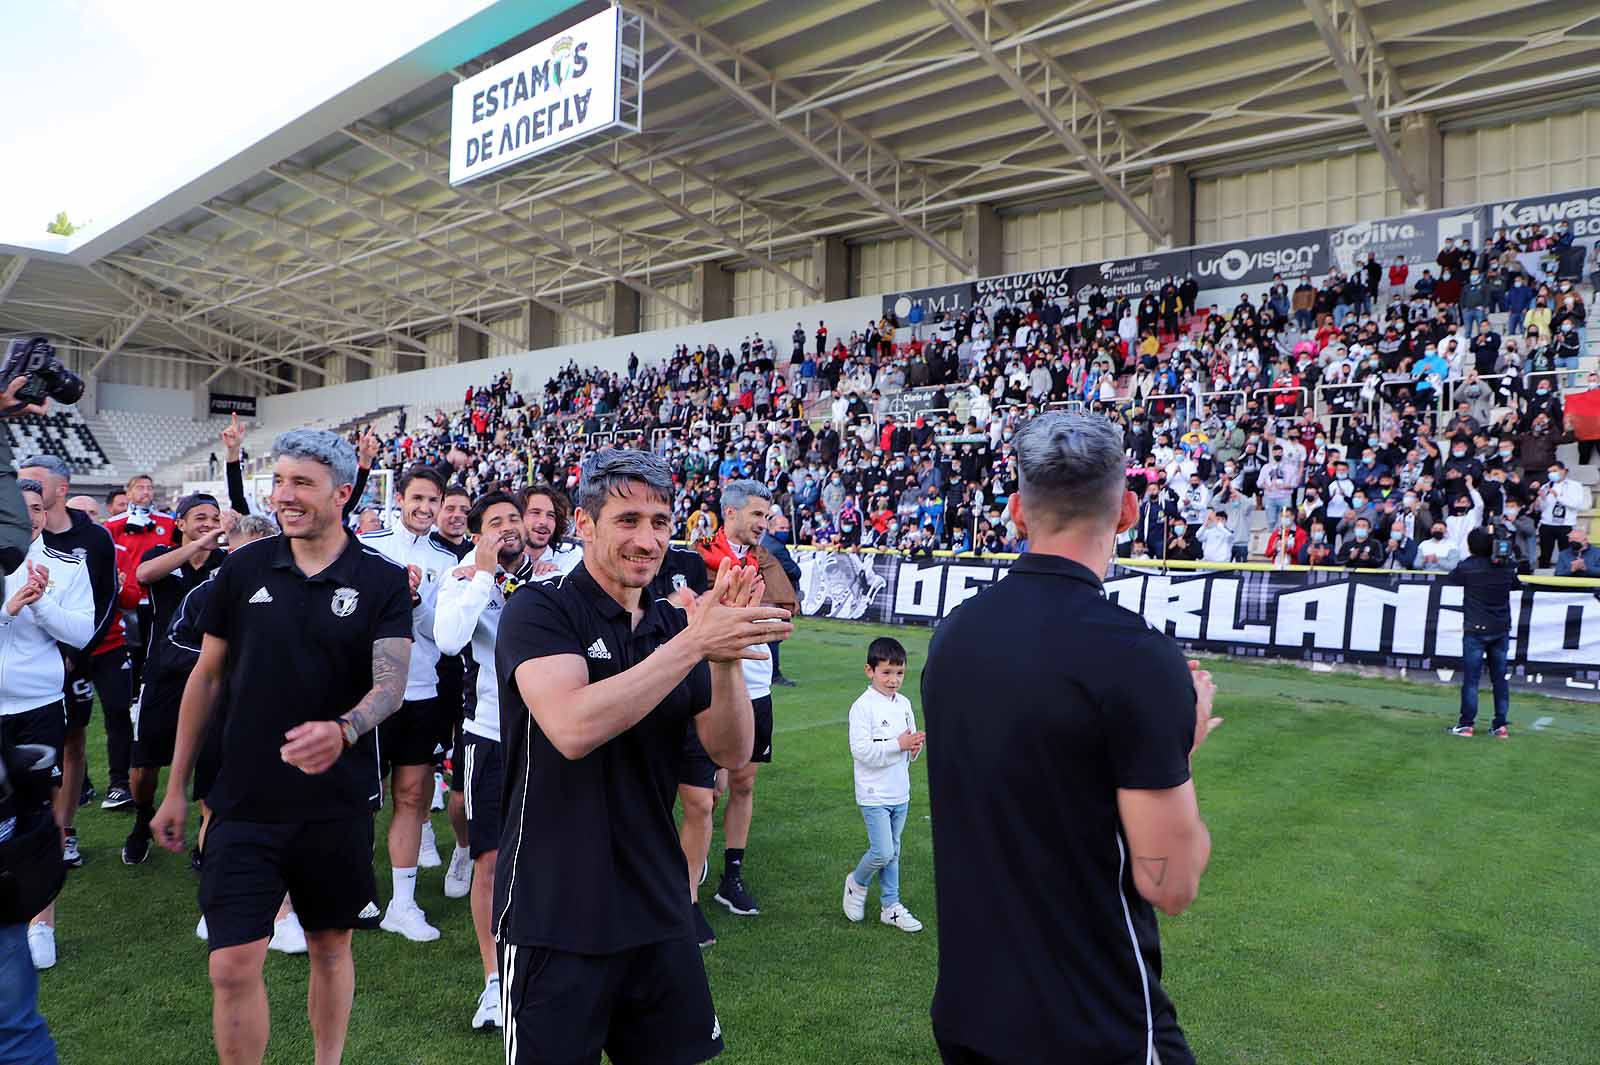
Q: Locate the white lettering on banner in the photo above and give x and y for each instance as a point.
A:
(963, 582)
(1548, 623)
(1313, 618)
(1175, 607)
(562, 88)
(1235, 263)
(1447, 622)
(1513, 213)
(1126, 592)
(917, 592)
(1373, 602)
(1222, 613)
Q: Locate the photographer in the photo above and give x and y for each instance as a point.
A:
(1487, 584)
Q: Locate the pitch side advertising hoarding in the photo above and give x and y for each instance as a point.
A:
(565, 87)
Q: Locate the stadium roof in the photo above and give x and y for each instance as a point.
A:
(767, 124)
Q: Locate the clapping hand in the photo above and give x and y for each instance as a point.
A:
(1205, 691)
(31, 591)
(728, 623)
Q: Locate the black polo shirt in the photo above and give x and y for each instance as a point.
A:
(589, 854)
(299, 649)
(1041, 699)
(168, 592)
(681, 567)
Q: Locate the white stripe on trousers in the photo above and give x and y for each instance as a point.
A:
(466, 792)
(508, 1026)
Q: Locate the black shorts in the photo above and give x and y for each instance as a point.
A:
(651, 1004)
(763, 746)
(695, 767)
(155, 724)
(483, 777)
(45, 725)
(325, 866)
(415, 733)
(109, 674)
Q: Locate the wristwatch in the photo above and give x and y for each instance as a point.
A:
(349, 730)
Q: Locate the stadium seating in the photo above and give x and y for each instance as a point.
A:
(154, 439)
(62, 433)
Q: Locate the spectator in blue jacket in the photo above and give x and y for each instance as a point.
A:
(1519, 297)
(930, 513)
(1579, 558)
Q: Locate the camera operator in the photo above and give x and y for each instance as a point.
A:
(30, 840)
(1487, 582)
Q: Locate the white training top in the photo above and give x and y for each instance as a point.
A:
(468, 611)
(404, 547)
(32, 673)
(883, 774)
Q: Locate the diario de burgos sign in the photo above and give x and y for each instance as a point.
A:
(565, 87)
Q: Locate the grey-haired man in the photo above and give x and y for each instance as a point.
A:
(306, 646)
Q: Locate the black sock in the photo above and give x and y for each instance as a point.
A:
(143, 814)
(732, 862)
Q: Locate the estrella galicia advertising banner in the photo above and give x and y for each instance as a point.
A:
(1132, 277)
(939, 301)
(1416, 236)
(1395, 620)
(1254, 262)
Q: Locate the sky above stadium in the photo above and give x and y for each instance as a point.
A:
(109, 105)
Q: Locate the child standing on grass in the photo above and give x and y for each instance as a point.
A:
(883, 741)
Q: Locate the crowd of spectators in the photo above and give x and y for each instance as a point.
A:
(1372, 419)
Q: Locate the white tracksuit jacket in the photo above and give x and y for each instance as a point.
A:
(32, 673)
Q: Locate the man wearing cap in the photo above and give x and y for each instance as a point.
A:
(102, 664)
(168, 574)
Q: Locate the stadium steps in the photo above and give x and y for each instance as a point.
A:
(119, 459)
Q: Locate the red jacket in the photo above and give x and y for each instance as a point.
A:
(132, 542)
(717, 548)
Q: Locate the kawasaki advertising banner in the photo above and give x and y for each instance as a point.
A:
(1396, 620)
(1580, 210)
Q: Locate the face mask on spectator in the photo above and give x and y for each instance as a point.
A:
(1179, 530)
(1555, 476)
(1397, 534)
(1512, 512)
(1438, 534)
(1288, 520)
(1317, 536)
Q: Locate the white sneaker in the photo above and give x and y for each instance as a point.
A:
(488, 1015)
(428, 852)
(200, 930)
(410, 922)
(287, 936)
(855, 898)
(901, 918)
(42, 945)
(458, 878)
(438, 791)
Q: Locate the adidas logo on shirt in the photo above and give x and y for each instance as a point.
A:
(597, 650)
(262, 595)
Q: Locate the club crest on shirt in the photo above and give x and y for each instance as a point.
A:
(679, 582)
(344, 602)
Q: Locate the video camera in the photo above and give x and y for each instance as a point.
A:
(31, 870)
(47, 377)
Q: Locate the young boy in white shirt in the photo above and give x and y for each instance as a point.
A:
(883, 741)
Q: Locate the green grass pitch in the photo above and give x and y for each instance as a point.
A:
(1379, 892)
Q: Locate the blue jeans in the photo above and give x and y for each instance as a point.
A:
(884, 826)
(1471, 316)
(1473, 649)
(24, 1039)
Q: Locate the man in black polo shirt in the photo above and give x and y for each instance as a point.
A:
(597, 683)
(306, 649)
(1058, 780)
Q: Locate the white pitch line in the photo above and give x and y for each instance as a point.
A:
(1542, 722)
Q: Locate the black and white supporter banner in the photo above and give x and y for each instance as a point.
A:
(1396, 620)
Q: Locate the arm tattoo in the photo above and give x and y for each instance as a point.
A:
(391, 661)
(1156, 868)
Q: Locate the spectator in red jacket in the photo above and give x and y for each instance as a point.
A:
(135, 531)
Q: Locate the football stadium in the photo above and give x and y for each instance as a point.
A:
(965, 531)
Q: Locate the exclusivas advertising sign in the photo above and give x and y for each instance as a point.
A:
(1416, 236)
(565, 87)
(937, 302)
(1395, 620)
(1253, 262)
(1131, 277)
(1013, 289)
(1580, 210)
